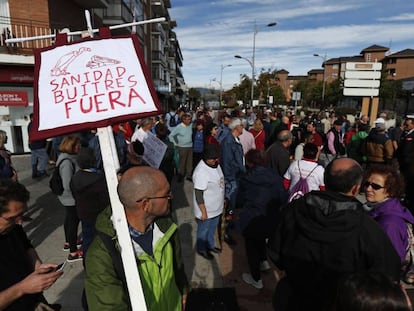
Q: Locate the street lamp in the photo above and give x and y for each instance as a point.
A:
(221, 81)
(251, 62)
(324, 75)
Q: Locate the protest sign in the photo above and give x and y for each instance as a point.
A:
(154, 150)
(90, 83)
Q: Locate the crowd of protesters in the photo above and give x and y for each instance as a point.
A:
(247, 163)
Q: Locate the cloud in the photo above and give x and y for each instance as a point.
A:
(211, 33)
(401, 17)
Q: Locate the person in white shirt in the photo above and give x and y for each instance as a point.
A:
(303, 167)
(208, 200)
(142, 132)
(307, 138)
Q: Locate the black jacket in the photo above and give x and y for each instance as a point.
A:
(322, 237)
(405, 153)
(91, 194)
(260, 193)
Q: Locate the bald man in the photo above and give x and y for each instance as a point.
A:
(145, 194)
(324, 236)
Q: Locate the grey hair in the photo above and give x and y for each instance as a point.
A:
(146, 121)
(284, 136)
(235, 122)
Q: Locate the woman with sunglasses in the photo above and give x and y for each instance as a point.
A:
(383, 187)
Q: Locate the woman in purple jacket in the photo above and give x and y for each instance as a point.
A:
(383, 187)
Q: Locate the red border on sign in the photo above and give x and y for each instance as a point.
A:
(35, 134)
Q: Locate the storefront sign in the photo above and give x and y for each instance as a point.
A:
(91, 83)
(14, 98)
(16, 74)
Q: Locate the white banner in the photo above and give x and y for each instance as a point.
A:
(91, 81)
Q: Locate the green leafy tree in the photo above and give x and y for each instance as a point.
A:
(390, 91)
(266, 86)
(194, 96)
(242, 91)
(309, 92)
(333, 93)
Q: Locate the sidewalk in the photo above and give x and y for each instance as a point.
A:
(46, 234)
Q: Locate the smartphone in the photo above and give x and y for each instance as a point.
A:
(61, 266)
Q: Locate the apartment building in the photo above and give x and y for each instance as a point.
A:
(25, 18)
(396, 66)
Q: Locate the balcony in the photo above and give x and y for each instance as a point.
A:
(20, 29)
(117, 13)
(91, 4)
(159, 7)
(158, 58)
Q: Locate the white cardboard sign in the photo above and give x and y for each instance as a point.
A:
(154, 150)
(90, 81)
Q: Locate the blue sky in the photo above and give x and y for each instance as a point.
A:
(210, 33)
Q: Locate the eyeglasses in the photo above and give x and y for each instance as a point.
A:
(373, 185)
(168, 196)
(13, 219)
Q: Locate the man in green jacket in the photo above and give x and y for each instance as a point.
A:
(145, 194)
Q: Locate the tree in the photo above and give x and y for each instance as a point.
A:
(390, 91)
(266, 86)
(194, 96)
(309, 90)
(334, 93)
(243, 90)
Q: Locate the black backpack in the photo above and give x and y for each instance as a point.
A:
(55, 182)
(173, 120)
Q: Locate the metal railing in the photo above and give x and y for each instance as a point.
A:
(23, 28)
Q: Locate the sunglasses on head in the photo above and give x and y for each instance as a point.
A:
(373, 185)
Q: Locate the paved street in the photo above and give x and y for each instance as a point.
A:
(46, 233)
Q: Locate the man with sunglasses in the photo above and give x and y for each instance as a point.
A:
(324, 236)
(23, 277)
(145, 195)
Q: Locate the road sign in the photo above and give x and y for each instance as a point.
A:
(363, 66)
(362, 74)
(361, 83)
(360, 92)
(296, 95)
(362, 79)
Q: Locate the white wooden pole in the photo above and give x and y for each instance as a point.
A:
(111, 165)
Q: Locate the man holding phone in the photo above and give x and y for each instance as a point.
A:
(23, 275)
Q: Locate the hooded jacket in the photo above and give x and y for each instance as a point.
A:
(91, 194)
(323, 236)
(162, 275)
(354, 148)
(392, 216)
(261, 193)
(379, 148)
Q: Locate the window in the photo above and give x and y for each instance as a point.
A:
(368, 57)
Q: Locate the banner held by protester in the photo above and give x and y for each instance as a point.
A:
(79, 86)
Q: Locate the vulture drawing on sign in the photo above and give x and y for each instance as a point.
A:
(101, 61)
(62, 64)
